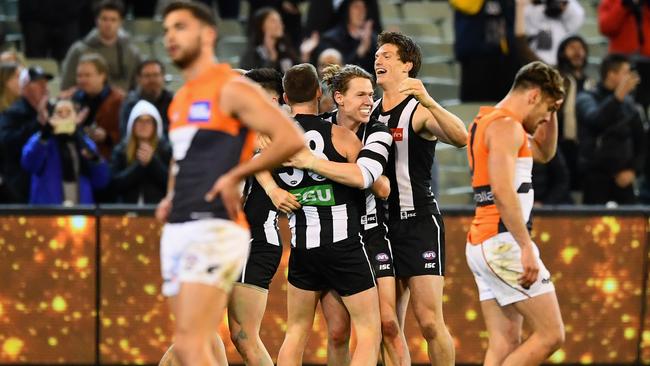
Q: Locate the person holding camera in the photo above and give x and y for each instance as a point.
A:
(612, 139)
(548, 22)
(63, 161)
(627, 25)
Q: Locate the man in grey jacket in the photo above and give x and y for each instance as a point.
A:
(111, 42)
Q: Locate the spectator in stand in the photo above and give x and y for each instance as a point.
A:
(12, 56)
(551, 182)
(326, 14)
(571, 62)
(327, 57)
(103, 102)
(549, 22)
(9, 85)
(111, 42)
(483, 45)
(150, 78)
(268, 45)
(627, 25)
(140, 162)
(49, 27)
(17, 124)
(611, 135)
(354, 36)
(64, 163)
(289, 12)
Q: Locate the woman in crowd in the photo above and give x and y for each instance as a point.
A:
(9, 87)
(140, 162)
(268, 45)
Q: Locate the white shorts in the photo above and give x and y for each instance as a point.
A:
(212, 252)
(496, 264)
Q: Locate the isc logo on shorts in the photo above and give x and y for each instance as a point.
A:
(429, 265)
(199, 111)
(382, 257)
(429, 255)
(384, 267)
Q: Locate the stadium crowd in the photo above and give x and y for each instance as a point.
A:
(112, 146)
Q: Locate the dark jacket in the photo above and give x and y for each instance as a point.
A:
(17, 124)
(42, 158)
(161, 104)
(551, 181)
(490, 33)
(104, 112)
(255, 57)
(610, 132)
(133, 181)
(340, 39)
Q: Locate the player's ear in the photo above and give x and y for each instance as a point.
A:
(534, 95)
(408, 67)
(285, 98)
(338, 98)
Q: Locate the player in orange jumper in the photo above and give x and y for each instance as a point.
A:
(205, 240)
(514, 286)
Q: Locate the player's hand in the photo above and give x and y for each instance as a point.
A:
(304, 159)
(163, 209)
(228, 188)
(284, 200)
(415, 87)
(530, 266)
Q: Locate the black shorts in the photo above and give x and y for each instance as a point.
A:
(342, 267)
(418, 245)
(261, 265)
(379, 251)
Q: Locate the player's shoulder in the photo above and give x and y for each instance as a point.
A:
(374, 125)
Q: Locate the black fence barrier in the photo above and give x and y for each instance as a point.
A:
(81, 285)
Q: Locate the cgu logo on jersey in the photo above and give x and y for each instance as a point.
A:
(199, 111)
(398, 134)
(322, 195)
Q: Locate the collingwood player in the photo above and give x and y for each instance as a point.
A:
(327, 252)
(352, 90)
(415, 227)
(250, 292)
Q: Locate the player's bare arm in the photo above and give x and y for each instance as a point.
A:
(503, 138)
(543, 143)
(381, 188)
(348, 145)
(431, 120)
(282, 199)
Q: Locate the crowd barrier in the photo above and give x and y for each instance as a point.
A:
(82, 286)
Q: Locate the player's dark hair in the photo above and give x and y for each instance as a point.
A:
(267, 78)
(199, 11)
(407, 50)
(540, 75)
(300, 83)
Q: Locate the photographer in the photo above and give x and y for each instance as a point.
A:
(611, 135)
(627, 25)
(64, 162)
(548, 22)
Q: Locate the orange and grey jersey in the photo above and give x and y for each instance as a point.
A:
(207, 143)
(487, 221)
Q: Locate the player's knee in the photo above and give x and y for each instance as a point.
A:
(389, 328)
(185, 347)
(238, 338)
(338, 335)
(554, 339)
(429, 330)
(503, 345)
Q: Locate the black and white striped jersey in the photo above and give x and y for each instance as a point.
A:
(330, 211)
(261, 213)
(372, 160)
(409, 163)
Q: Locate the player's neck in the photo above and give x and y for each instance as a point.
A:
(391, 95)
(515, 104)
(347, 122)
(310, 107)
(198, 66)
